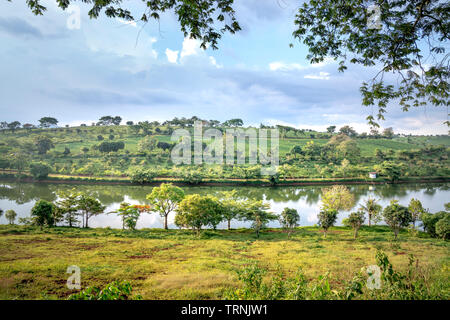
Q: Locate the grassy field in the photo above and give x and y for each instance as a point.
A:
(175, 264)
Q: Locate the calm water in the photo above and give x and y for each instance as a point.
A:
(22, 196)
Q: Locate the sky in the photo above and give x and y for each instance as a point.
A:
(151, 72)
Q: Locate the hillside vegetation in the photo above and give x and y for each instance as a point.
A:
(142, 153)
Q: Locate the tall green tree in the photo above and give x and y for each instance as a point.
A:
(89, 207)
(43, 213)
(373, 210)
(416, 209)
(10, 215)
(43, 144)
(196, 211)
(256, 212)
(232, 206)
(165, 199)
(356, 220)
(392, 36)
(206, 20)
(47, 122)
(337, 198)
(289, 219)
(327, 219)
(396, 216)
(67, 206)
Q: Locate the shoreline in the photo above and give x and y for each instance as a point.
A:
(226, 182)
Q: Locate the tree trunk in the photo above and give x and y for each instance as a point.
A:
(87, 220)
(165, 222)
(229, 220)
(356, 233)
(369, 219)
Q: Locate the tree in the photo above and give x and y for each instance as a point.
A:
(13, 126)
(206, 20)
(232, 206)
(327, 218)
(416, 209)
(67, 206)
(196, 211)
(105, 121)
(349, 149)
(130, 215)
(430, 220)
(388, 133)
(349, 131)
(390, 169)
(396, 216)
(43, 144)
(1, 212)
(356, 220)
(165, 199)
(394, 35)
(296, 150)
(40, 170)
(443, 227)
(147, 144)
(331, 129)
(338, 198)
(89, 207)
(117, 120)
(43, 213)
(373, 210)
(111, 146)
(289, 219)
(233, 123)
(10, 215)
(47, 122)
(256, 212)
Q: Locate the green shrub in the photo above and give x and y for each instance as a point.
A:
(40, 170)
(113, 291)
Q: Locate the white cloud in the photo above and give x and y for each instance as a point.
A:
(172, 56)
(129, 23)
(191, 47)
(320, 76)
(214, 62)
(281, 66)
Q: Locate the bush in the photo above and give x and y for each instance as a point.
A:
(40, 170)
(139, 175)
(42, 213)
(113, 291)
(429, 221)
(443, 227)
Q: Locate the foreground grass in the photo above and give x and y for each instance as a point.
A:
(175, 264)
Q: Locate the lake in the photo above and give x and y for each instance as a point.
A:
(306, 199)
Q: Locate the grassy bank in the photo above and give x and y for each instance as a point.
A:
(176, 265)
(57, 178)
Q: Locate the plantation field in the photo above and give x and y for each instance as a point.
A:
(175, 264)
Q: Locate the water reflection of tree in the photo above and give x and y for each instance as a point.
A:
(109, 194)
(26, 192)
